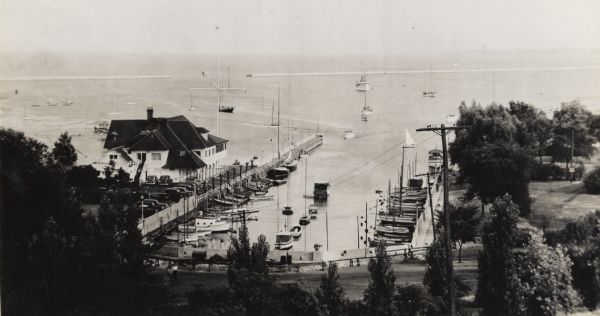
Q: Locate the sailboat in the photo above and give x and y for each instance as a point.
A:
(290, 163)
(363, 84)
(284, 240)
(227, 108)
(191, 108)
(367, 109)
(305, 220)
(430, 93)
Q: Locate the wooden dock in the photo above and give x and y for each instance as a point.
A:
(167, 219)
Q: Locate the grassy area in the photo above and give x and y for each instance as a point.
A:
(557, 202)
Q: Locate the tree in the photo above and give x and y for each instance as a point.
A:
(85, 179)
(534, 129)
(540, 280)
(571, 121)
(488, 148)
(463, 224)
(54, 259)
(330, 293)
(414, 300)
(379, 295)
(495, 260)
(591, 181)
(63, 150)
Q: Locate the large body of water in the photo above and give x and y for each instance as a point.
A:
(356, 167)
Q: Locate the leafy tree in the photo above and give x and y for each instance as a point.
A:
(436, 277)
(488, 148)
(464, 222)
(495, 260)
(540, 280)
(414, 300)
(533, 127)
(63, 150)
(572, 120)
(379, 295)
(85, 179)
(594, 125)
(54, 259)
(582, 239)
(331, 293)
(591, 181)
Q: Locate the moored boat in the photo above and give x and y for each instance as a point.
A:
(304, 220)
(287, 210)
(296, 231)
(284, 241)
(321, 190)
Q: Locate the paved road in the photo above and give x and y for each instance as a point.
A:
(355, 280)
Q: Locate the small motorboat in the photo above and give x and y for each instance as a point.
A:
(226, 108)
(284, 241)
(287, 210)
(291, 165)
(187, 237)
(348, 134)
(279, 182)
(304, 220)
(278, 173)
(313, 210)
(211, 224)
(296, 231)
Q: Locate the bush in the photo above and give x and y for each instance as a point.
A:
(591, 182)
(545, 172)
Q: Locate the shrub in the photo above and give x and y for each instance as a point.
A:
(544, 172)
(591, 182)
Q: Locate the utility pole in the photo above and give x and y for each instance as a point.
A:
(442, 131)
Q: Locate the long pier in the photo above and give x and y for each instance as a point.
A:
(168, 218)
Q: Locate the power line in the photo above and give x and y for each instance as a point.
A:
(377, 165)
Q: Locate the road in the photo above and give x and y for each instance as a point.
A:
(354, 279)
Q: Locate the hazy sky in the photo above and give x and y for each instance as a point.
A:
(297, 27)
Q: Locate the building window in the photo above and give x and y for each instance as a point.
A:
(141, 156)
(112, 157)
(155, 156)
(199, 153)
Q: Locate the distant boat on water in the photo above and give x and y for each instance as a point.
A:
(348, 134)
(431, 92)
(363, 84)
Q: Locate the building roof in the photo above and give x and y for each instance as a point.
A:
(183, 160)
(175, 133)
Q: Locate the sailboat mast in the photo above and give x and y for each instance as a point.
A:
(272, 113)
(218, 92)
(278, 120)
(305, 179)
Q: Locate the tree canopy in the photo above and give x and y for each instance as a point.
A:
(572, 120)
(54, 259)
(379, 295)
(63, 151)
(490, 146)
(464, 222)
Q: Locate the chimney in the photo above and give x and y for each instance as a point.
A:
(150, 112)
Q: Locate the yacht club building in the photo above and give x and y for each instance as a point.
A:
(156, 146)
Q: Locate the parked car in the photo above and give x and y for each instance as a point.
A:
(161, 197)
(184, 192)
(156, 204)
(152, 180)
(147, 206)
(173, 194)
(165, 180)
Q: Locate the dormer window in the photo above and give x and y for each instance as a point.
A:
(181, 153)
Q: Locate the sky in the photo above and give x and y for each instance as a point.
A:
(378, 27)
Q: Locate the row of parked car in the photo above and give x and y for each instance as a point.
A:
(153, 202)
